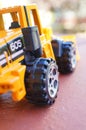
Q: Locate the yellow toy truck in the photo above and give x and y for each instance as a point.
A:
(27, 56)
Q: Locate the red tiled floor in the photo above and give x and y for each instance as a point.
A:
(68, 112)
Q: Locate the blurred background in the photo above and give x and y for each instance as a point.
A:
(65, 16)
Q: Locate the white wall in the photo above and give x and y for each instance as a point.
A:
(7, 3)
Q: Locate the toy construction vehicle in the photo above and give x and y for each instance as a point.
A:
(27, 62)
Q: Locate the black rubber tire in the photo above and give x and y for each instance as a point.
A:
(67, 62)
(39, 77)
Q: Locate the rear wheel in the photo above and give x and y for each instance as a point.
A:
(41, 81)
(67, 62)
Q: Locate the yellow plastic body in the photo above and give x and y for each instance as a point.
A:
(12, 74)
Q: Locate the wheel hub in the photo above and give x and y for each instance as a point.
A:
(52, 81)
(73, 60)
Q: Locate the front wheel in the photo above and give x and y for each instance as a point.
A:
(41, 81)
